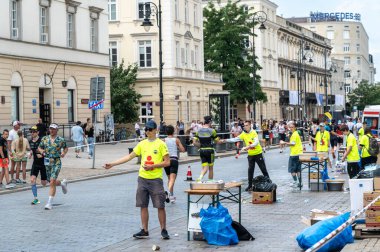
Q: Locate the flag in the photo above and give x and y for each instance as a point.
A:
(329, 116)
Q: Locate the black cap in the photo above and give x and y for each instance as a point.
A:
(208, 119)
(151, 125)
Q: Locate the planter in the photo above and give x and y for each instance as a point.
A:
(192, 150)
(335, 184)
(219, 148)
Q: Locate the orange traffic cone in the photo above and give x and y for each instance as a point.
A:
(189, 176)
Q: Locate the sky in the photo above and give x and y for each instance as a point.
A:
(369, 10)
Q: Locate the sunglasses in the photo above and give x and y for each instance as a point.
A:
(148, 129)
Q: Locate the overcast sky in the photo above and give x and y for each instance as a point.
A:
(369, 10)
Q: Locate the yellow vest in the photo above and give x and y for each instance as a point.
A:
(248, 139)
(151, 152)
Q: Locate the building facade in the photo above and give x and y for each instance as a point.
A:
(186, 86)
(49, 51)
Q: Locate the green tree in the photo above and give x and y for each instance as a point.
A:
(226, 32)
(124, 98)
(365, 94)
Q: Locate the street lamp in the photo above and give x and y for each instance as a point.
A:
(147, 24)
(258, 17)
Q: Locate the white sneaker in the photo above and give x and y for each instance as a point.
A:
(48, 206)
(172, 199)
(64, 186)
(294, 184)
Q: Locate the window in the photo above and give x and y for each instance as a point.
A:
(357, 34)
(112, 10)
(144, 9)
(15, 103)
(245, 8)
(145, 53)
(113, 53)
(246, 42)
(15, 19)
(359, 74)
(94, 35)
(192, 59)
(177, 54)
(347, 74)
(187, 52)
(176, 10)
(330, 34)
(358, 47)
(346, 47)
(182, 57)
(70, 30)
(346, 34)
(70, 104)
(195, 15)
(358, 60)
(146, 111)
(44, 24)
(186, 12)
(347, 60)
(196, 57)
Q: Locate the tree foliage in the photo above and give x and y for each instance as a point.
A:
(124, 98)
(226, 31)
(365, 94)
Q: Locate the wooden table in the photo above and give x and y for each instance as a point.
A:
(309, 163)
(216, 197)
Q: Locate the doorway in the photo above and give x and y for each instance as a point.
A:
(45, 108)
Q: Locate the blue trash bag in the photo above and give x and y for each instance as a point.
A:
(318, 231)
(216, 226)
(325, 175)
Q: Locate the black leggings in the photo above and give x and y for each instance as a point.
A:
(353, 169)
(259, 159)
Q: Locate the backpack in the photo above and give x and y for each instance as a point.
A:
(373, 147)
(242, 233)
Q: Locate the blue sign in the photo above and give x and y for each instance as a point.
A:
(334, 16)
(34, 102)
(95, 105)
(58, 103)
(34, 111)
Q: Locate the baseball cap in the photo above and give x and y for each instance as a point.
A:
(151, 125)
(53, 126)
(322, 124)
(16, 123)
(34, 128)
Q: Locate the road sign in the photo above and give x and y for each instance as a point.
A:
(95, 105)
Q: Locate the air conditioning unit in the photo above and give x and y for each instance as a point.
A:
(44, 38)
(15, 33)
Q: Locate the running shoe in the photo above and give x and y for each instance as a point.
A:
(294, 184)
(9, 186)
(64, 186)
(18, 181)
(141, 235)
(167, 200)
(48, 206)
(172, 199)
(164, 234)
(248, 189)
(35, 202)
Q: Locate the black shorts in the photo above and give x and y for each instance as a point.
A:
(340, 140)
(207, 156)
(173, 168)
(153, 188)
(294, 165)
(282, 136)
(37, 168)
(334, 141)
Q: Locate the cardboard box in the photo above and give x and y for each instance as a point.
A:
(314, 175)
(376, 183)
(318, 215)
(263, 197)
(368, 197)
(372, 218)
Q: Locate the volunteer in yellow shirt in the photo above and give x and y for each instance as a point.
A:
(322, 139)
(295, 144)
(351, 154)
(366, 158)
(154, 157)
(361, 130)
(253, 147)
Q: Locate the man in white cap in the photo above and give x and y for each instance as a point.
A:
(53, 148)
(13, 137)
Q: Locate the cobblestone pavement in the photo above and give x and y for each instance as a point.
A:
(99, 215)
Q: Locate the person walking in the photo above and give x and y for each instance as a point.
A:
(89, 133)
(12, 136)
(313, 132)
(351, 153)
(181, 128)
(19, 153)
(4, 161)
(252, 145)
(282, 136)
(366, 158)
(77, 135)
(154, 157)
(294, 165)
(204, 138)
(173, 144)
(38, 166)
(53, 148)
(137, 130)
(236, 131)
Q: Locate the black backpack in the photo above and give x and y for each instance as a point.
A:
(373, 147)
(242, 233)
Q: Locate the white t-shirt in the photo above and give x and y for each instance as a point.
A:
(12, 135)
(137, 126)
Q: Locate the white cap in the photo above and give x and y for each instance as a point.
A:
(15, 123)
(53, 126)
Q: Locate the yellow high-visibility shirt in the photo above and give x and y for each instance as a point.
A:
(295, 150)
(353, 156)
(364, 141)
(248, 139)
(323, 141)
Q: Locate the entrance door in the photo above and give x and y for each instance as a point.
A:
(44, 108)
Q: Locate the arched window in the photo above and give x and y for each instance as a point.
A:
(16, 85)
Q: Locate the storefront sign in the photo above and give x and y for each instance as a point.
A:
(334, 16)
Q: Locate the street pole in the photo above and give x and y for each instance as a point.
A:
(96, 119)
(325, 81)
(160, 62)
(254, 75)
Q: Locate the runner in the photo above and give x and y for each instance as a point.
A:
(236, 131)
(38, 163)
(252, 145)
(12, 136)
(204, 138)
(4, 161)
(173, 144)
(53, 148)
(154, 156)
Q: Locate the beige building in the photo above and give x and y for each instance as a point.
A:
(186, 87)
(49, 50)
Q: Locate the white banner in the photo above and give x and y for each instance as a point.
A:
(194, 218)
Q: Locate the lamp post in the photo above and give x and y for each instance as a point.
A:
(258, 17)
(147, 24)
